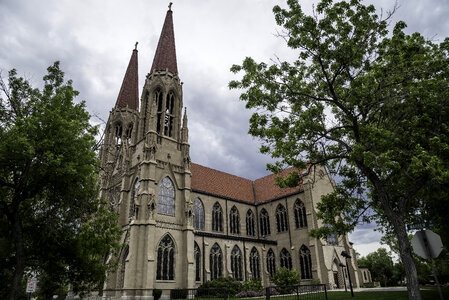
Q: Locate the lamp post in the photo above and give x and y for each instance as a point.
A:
(346, 256)
(343, 273)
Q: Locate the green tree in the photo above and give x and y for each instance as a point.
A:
(53, 223)
(284, 279)
(380, 264)
(370, 104)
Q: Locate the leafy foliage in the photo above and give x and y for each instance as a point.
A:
(380, 264)
(284, 279)
(370, 104)
(48, 174)
(221, 284)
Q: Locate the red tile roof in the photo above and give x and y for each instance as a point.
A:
(223, 184)
(129, 92)
(165, 57)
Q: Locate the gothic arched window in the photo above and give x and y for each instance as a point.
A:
(132, 204)
(271, 263)
(121, 274)
(305, 262)
(165, 259)
(234, 220)
(216, 262)
(286, 259)
(197, 254)
(169, 114)
(250, 223)
(236, 263)
(166, 201)
(128, 134)
(118, 134)
(198, 211)
(300, 214)
(281, 218)
(157, 97)
(254, 263)
(264, 222)
(217, 217)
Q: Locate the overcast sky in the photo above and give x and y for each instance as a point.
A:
(93, 40)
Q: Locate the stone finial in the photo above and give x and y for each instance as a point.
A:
(169, 6)
(135, 46)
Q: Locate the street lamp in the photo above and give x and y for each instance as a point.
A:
(343, 274)
(346, 256)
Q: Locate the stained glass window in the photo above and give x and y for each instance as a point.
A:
(198, 211)
(264, 222)
(236, 263)
(197, 253)
(271, 263)
(250, 223)
(166, 202)
(286, 259)
(254, 263)
(305, 262)
(300, 214)
(216, 262)
(281, 218)
(234, 220)
(217, 217)
(165, 259)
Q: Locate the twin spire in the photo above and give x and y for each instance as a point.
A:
(164, 59)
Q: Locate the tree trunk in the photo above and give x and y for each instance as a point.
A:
(406, 255)
(20, 254)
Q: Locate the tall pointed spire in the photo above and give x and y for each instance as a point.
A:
(165, 57)
(129, 93)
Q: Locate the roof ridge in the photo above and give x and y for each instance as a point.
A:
(223, 172)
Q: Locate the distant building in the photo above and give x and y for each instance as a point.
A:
(184, 223)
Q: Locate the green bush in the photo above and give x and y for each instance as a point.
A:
(315, 281)
(285, 277)
(157, 294)
(225, 283)
(252, 284)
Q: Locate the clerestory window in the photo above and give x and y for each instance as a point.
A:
(198, 211)
(234, 220)
(281, 218)
(300, 214)
(217, 217)
(250, 223)
(264, 222)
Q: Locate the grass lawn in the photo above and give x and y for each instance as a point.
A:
(428, 293)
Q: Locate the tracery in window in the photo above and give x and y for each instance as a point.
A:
(121, 279)
(118, 134)
(286, 259)
(236, 263)
(234, 220)
(197, 254)
(264, 222)
(157, 97)
(133, 209)
(216, 262)
(217, 217)
(166, 200)
(281, 218)
(254, 263)
(128, 134)
(305, 262)
(271, 263)
(300, 214)
(169, 108)
(198, 211)
(145, 112)
(165, 259)
(250, 223)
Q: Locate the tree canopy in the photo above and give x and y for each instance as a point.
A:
(369, 103)
(53, 224)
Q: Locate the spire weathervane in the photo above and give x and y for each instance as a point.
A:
(169, 6)
(135, 47)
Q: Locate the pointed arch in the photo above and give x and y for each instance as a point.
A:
(118, 132)
(197, 254)
(264, 222)
(169, 114)
(158, 98)
(281, 218)
(234, 220)
(305, 262)
(133, 210)
(250, 223)
(254, 263)
(236, 263)
(271, 262)
(217, 217)
(198, 211)
(286, 259)
(166, 259)
(300, 214)
(166, 199)
(121, 273)
(216, 262)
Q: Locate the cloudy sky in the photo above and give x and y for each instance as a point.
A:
(93, 41)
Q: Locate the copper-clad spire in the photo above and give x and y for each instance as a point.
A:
(129, 92)
(165, 57)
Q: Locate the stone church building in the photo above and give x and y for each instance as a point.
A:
(184, 223)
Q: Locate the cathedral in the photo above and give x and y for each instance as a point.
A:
(183, 223)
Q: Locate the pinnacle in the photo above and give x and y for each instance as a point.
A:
(129, 93)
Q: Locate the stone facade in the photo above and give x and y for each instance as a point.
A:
(184, 223)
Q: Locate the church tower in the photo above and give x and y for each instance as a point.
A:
(152, 187)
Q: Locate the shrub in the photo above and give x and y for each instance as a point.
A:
(157, 294)
(284, 278)
(231, 285)
(252, 285)
(315, 281)
(246, 294)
